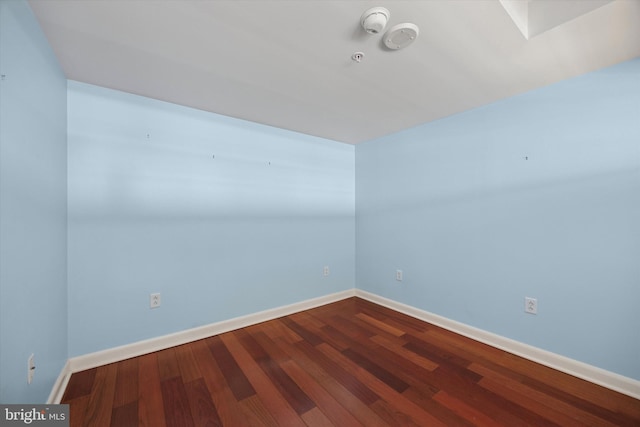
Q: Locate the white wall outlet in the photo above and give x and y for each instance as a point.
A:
(325, 271)
(530, 305)
(399, 275)
(31, 368)
(154, 300)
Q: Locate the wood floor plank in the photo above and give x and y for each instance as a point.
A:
(328, 405)
(400, 368)
(287, 388)
(576, 392)
(342, 334)
(126, 383)
(236, 379)
(125, 415)
(392, 416)
(408, 356)
(177, 409)
(316, 418)
(451, 342)
(393, 318)
(256, 413)
(567, 383)
(348, 363)
(381, 388)
(150, 405)
(380, 325)
(276, 353)
(100, 405)
(529, 401)
(277, 405)
(278, 330)
(376, 370)
(168, 364)
(368, 327)
(621, 409)
(453, 375)
(321, 331)
(338, 371)
(465, 411)
(302, 332)
(305, 319)
(228, 408)
(423, 397)
(189, 370)
(435, 353)
(334, 337)
(457, 382)
(203, 411)
(554, 409)
(80, 384)
(352, 403)
(77, 410)
(352, 328)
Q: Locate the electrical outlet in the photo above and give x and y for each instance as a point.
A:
(531, 305)
(325, 271)
(31, 368)
(154, 300)
(399, 275)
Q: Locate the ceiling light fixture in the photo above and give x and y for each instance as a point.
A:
(400, 36)
(374, 20)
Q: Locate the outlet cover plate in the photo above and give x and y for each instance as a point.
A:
(530, 305)
(154, 300)
(31, 368)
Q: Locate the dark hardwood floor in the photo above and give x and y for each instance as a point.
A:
(350, 363)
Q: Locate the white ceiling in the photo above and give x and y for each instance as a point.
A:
(288, 63)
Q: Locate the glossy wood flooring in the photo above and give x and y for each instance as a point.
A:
(350, 363)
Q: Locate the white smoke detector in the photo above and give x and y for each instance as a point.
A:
(400, 36)
(374, 20)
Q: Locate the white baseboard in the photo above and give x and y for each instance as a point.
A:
(573, 367)
(608, 379)
(60, 385)
(103, 357)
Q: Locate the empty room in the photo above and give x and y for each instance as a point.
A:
(320, 213)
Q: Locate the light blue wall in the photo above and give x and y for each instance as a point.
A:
(152, 210)
(537, 195)
(33, 292)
